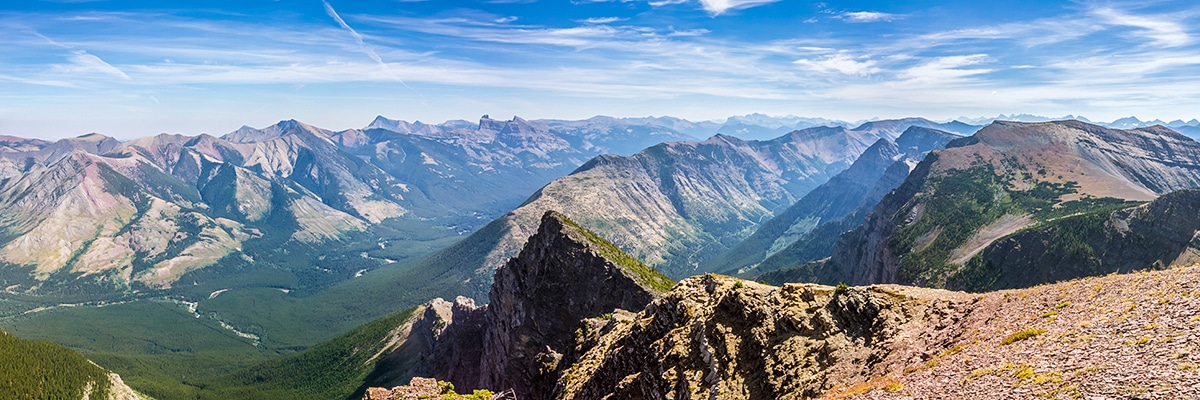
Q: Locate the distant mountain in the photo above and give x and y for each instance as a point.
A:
(1008, 178)
(675, 205)
(802, 232)
(1190, 128)
(145, 213)
(1020, 118)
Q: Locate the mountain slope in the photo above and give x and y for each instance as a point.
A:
(1008, 177)
(43, 370)
(848, 193)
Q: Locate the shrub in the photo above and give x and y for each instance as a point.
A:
(842, 287)
(1021, 335)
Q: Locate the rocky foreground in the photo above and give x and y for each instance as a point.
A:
(712, 336)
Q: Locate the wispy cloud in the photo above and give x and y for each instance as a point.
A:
(718, 7)
(841, 63)
(1159, 29)
(868, 16)
(942, 69)
(601, 21)
(358, 38)
(82, 62)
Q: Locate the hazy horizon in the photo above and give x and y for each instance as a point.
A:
(137, 68)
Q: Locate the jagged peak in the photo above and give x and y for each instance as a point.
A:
(556, 223)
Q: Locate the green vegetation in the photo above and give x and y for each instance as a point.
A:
(448, 393)
(157, 347)
(642, 273)
(330, 370)
(1021, 335)
(44, 370)
(841, 287)
(959, 202)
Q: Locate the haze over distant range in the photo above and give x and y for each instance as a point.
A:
(136, 68)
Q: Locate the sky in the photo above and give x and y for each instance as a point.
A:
(137, 68)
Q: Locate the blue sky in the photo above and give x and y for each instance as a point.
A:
(135, 68)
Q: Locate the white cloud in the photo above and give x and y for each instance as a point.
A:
(943, 69)
(1160, 30)
(81, 61)
(660, 3)
(600, 21)
(689, 32)
(868, 16)
(718, 7)
(841, 63)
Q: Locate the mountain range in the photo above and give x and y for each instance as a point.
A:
(294, 228)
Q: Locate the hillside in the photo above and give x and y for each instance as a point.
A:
(44, 370)
(1007, 178)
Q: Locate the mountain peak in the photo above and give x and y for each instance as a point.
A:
(554, 224)
(565, 274)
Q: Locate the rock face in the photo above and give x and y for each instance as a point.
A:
(526, 335)
(1007, 177)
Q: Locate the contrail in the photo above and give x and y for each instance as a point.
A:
(358, 38)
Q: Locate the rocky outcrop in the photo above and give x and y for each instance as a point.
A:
(527, 334)
(721, 337)
(1122, 336)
